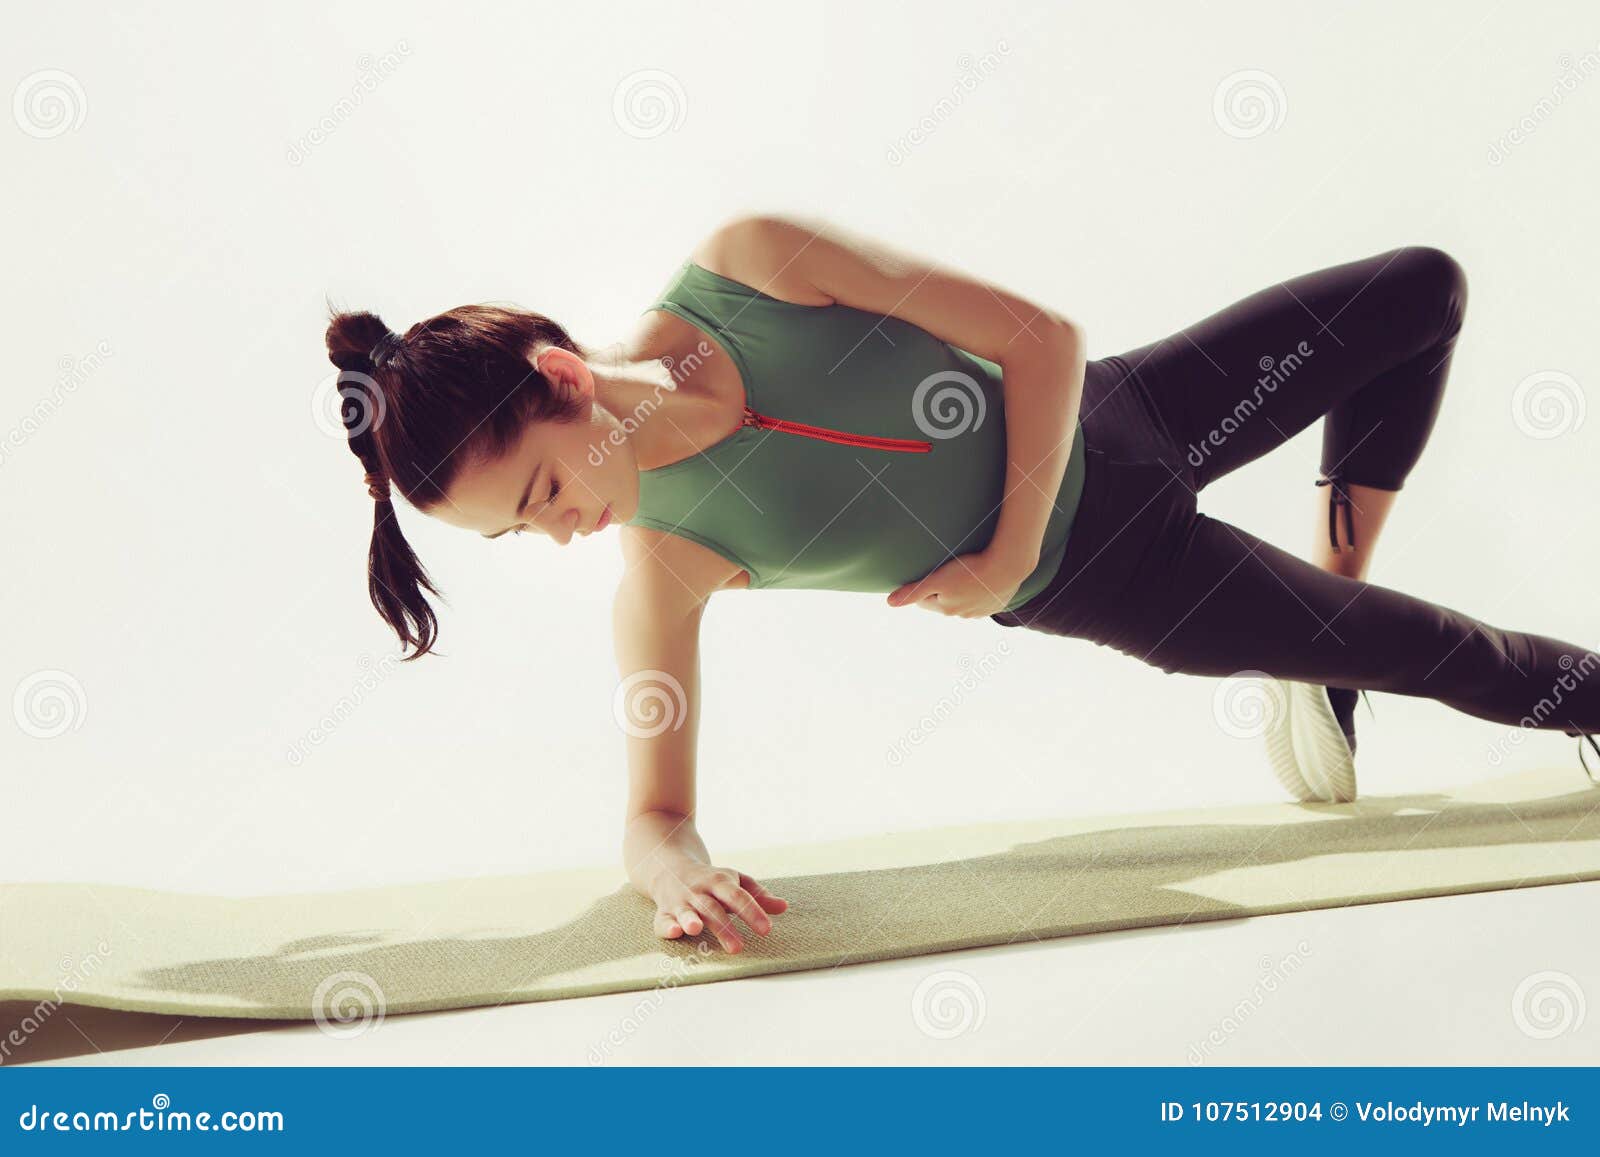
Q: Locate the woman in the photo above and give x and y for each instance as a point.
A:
(802, 407)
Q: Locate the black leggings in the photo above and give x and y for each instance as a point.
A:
(1366, 344)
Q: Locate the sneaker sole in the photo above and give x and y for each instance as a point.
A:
(1306, 747)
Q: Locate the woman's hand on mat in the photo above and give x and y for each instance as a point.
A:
(691, 897)
(969, 585)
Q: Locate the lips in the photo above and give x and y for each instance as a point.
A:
(605, 519)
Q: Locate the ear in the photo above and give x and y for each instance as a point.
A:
(565, 370)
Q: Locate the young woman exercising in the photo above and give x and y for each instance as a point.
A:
(802, 407)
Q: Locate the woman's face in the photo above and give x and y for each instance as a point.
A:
(559, 478)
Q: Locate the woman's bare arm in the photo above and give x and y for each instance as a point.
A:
(656, 627)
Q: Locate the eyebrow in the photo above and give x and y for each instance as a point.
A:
(522, 505)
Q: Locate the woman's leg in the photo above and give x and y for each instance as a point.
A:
(1220, 601)
(1367, 343)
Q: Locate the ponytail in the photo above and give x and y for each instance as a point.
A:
(415, 407)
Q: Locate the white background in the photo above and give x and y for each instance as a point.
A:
(185, 540)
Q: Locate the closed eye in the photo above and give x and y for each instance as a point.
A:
(555, 489)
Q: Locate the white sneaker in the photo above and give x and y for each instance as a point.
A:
(1306, 746)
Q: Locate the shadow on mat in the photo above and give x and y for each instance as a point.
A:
(1105, 880)
(75, 1030)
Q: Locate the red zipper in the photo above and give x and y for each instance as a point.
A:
(763, 421)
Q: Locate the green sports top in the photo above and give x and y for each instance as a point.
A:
(871, 451)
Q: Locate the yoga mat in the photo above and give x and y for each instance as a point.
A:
(462, 943)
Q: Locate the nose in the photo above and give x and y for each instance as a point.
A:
(565, 527)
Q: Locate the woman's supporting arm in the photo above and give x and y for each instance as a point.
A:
(656, 628)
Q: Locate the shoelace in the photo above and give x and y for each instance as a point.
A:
(1582, 737)
(1339, 498)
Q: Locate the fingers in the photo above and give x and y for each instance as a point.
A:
(744, 904)
(714, 906)
(717, 920)
(689, 920)
(768, 902)
(672, 923)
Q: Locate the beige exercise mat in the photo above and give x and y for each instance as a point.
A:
(461, 943)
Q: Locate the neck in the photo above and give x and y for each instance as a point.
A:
(631, 391)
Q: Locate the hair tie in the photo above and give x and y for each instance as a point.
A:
(386, 346)
(377, 486)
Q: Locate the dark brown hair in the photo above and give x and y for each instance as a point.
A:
(453, 390)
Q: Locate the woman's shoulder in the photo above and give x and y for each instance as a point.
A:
(669, 573)
(755, 253)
